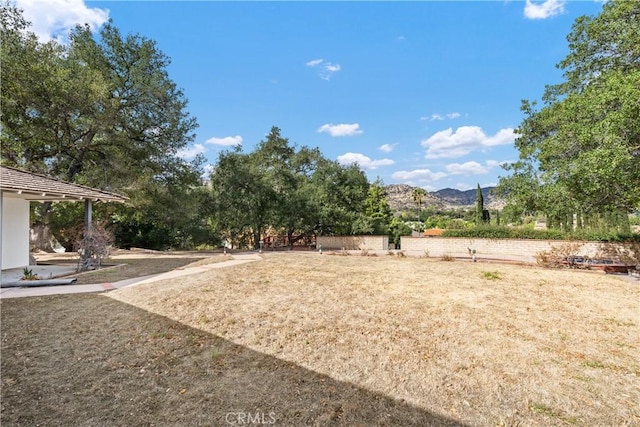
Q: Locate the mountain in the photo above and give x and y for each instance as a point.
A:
(465, 198)
(400, 198)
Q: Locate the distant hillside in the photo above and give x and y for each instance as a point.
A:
(400, 198)
(465, 198)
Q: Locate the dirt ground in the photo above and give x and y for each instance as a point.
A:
(308, 339)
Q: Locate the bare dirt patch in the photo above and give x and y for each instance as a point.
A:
(336, 340)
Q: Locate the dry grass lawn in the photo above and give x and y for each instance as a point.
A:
(309, 339)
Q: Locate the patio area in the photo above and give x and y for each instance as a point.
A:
(44, 272)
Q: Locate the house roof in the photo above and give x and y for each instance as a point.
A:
(36, 187)
(434, 232)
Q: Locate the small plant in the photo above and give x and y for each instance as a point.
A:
(541, 408)
(426, 253)
(203, 319)
(28, 274)
(401, 254)
(447, 257)
(491, 275)
(594, 364)
(364, 251)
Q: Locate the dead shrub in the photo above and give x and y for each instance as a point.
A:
(556, 257)
(628, 253)
(92, 246)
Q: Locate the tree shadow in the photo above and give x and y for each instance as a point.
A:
(87, 360)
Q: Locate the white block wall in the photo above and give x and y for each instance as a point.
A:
(524, 250)
(15, 233)
(353, 242)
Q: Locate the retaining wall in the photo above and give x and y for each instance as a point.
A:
(523, 250)
(353, 242)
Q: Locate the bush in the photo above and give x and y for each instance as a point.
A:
(493, 232)
(557, 256)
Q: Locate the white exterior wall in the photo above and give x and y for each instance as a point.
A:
(524, 250)
(353, 242)
(15, 232)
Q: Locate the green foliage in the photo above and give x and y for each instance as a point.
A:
(418, 196)
(491, 275)
(100, 111)
(481, 216)
(579, 152)
(27, 274)
(398, 228)
(295, 190)
(377, 207)
(494, 232)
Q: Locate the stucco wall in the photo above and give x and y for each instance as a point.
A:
(15, 233)
(353, 242)
(505, 249)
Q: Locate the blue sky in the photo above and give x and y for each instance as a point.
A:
(425, 93)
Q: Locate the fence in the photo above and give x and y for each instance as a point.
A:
(523, 250)
(353, 242)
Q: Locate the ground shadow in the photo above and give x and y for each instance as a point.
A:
(88, 360)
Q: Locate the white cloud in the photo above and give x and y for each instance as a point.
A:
(341, 129)
(226, 141)
(463, 186)
(363, 161)
(332, 68)
(52, 19)
(437, 116)
(544, 10)
(495, 163)
(468, 168)
(449, 144)
(418, 175)
(190, 153)
(326, 69)
(387, 148)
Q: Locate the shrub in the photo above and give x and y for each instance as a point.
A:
(93, 246)
(494, 232)
(28, 274)
(491, 275)
(556, 257)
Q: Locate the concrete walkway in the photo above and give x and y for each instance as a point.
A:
(101, 287)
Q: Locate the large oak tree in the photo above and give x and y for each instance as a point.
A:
(102, 111)
(580, 151)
